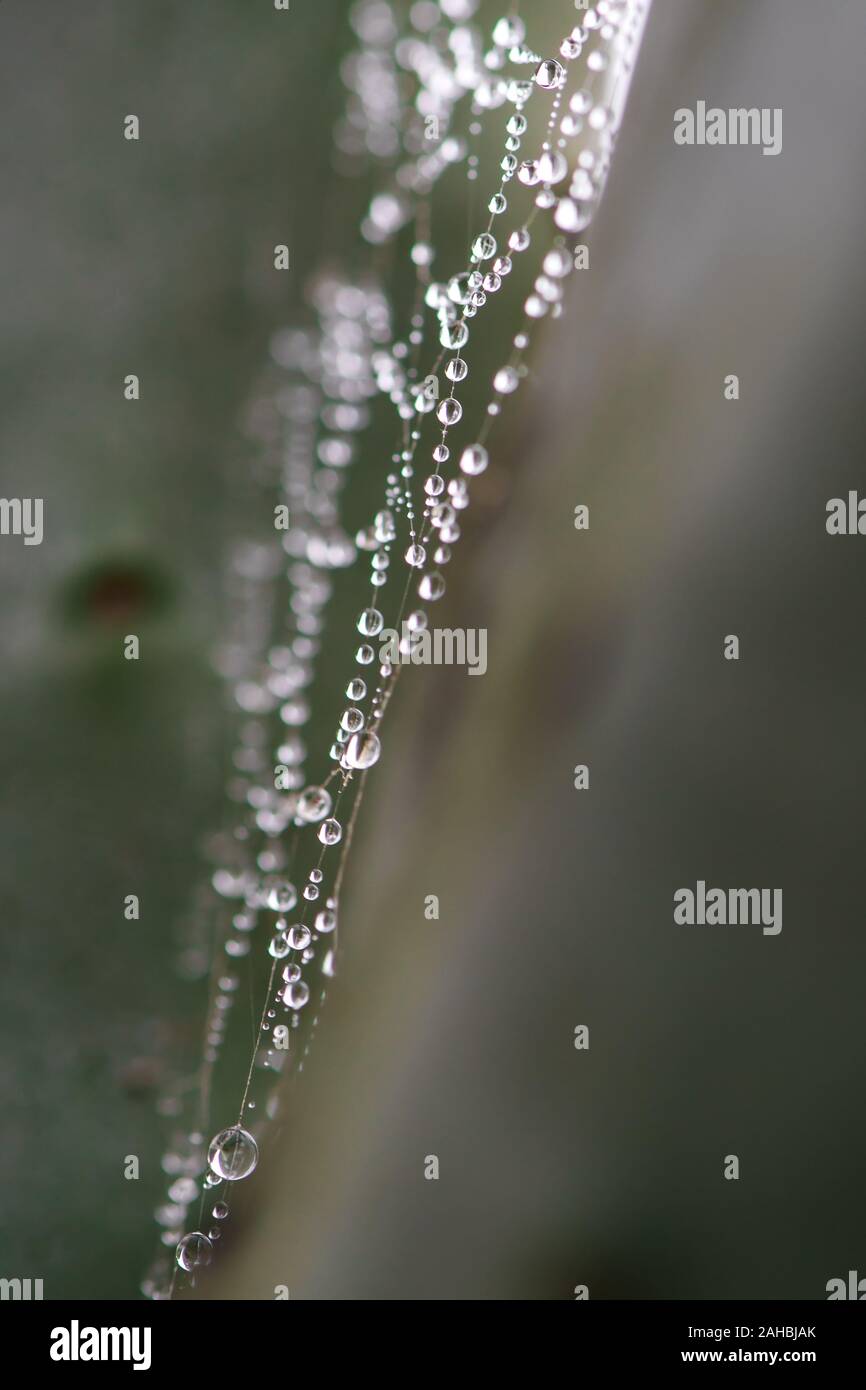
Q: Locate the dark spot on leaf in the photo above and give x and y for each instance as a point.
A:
(112, 592)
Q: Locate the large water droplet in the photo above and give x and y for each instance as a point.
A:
(432, 586)
(194, 1251)
(484, 246)
(454, 335)
(552, 166)
(370, 622)
(449, 412)
(384, 527)
(233, 1154)
(296, 995)
(330, 832)
(509, 31)
(278, 946)
(571, 216)
(415, 556)
(549, 73)
(473, 460)
(528, 172)
(363, 749)
(282, 897)
(314, 804)
(506, 380)
(326, 921)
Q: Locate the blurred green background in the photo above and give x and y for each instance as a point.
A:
(707, 517)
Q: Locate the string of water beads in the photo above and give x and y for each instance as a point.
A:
(248, 924)
(233, 1152)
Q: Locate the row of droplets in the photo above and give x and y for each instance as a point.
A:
(336, 374)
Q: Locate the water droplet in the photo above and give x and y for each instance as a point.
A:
(282, 897)
(450, 411)
(370, 622)
(552, 166)
(384, 527)
(549, 74)
(326, 921)
(505, 381)
(314, 804)
(557, 262)
(233, 1154)
(571, 216)
(194, 1251)
(220, 1211)
(459, 287)
(299, 937)
(432, 586)
(363, 750)
(509, 31)
(474, 459)
(296, 995)
(454, 335)
(484, 246)
(528, 174)
(330, 832)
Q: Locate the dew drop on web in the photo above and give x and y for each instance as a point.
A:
(314, 804)
(233, 1154)
(194, 1251)
(363, 750)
